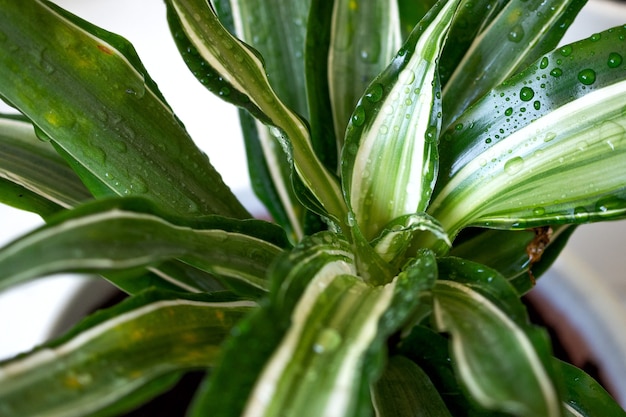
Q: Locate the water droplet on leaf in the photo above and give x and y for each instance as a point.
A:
(556, 72)
(514, 165)
(516, 34)
(358, 117)
(526, 94)
(327, 341)
(375, 93)
(566, 50)
(615, 60)
(587, 76)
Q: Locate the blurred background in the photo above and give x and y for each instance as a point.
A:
(588, 277)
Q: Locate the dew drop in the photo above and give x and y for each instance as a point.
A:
(544, 63)
(407, 76)
(537, 104)
(224, 91)
(526, 94)
(566, 50)
(516, 34)
(587, 76)
(358, 117)
(556, 72)
(431, 134)
(139, 185)
(96, 153)
(375, 93)
(595, 37)
(581, 213)
(539, 211)
(459, 126)
(508, 111)
(514, 165)
(549, 136)
(327, 341)
(615, 60)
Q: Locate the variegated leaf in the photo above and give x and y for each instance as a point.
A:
(509, 162)
(390, 155)
(335, 329)
(125, 234)
(119, 357)
(519, 34)
(86, 90)
(220, 59)
(28, 162)
(358, 52)
(494, 349)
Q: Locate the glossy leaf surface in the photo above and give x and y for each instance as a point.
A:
(108, 360)
(517, 150)
(405, 390)
(584, 396)
(276, 29)
(495, 351)
(357, 53)
(336, 329)
(389, 160)
(120, 235)
(28, 162)
(114, 123)
(225, 64)
(519, 34)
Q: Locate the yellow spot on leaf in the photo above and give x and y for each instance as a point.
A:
(353, 5)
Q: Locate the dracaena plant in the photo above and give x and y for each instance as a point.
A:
(423, 163)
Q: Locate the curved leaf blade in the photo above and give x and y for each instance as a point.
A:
(509, 162)
(115, 122)
(494, 349)
(30, 163)
(389, 162)
(277, 30)
(335, 327)
(404, 389)
(519, 34)
(218, 57)
(357, 52)
(584, 397)
(108, 359)
(124, 234)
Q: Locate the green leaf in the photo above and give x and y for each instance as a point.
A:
(34, 165)
(429, 350)
(495, 351)
(358, 52)
(397, 236)
(506, 251)
(519, 34)
(118, 235)
(22, 198)
(276, 29)
(584, 396)
(87, 91)
(390, 157)
(225, 64)
(405, 390)
(336, 327)
(411, 12)
(510, 161)
(109, 360)
(318, 36)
